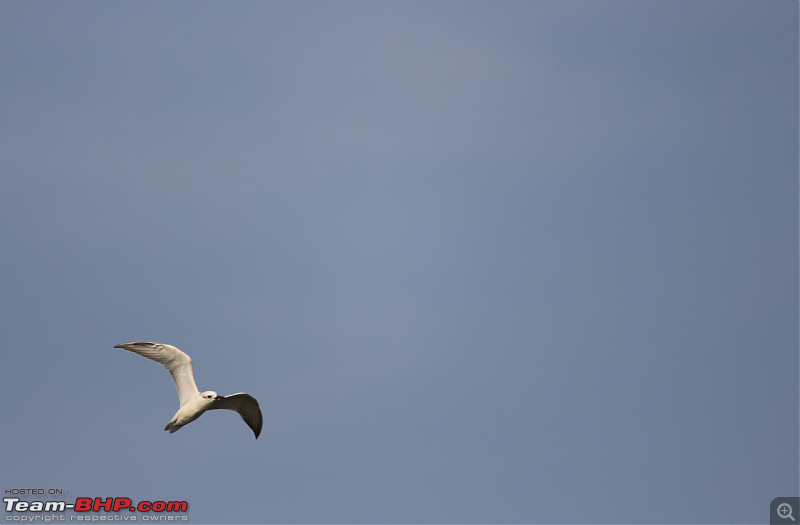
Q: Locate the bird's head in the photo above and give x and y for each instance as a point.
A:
(210, 396)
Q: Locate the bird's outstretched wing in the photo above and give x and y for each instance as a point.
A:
(247, 407)
(176, 362)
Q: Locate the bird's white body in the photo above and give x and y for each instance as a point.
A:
(190, 411)
(193, 402)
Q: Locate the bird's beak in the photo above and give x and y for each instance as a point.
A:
(219, 397)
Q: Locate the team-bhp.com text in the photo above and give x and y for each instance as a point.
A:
(96, 505)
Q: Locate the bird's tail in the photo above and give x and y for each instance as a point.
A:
(172, 427)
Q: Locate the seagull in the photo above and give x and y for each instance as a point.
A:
(194, 402)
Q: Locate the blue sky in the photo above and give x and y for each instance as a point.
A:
(486, 262)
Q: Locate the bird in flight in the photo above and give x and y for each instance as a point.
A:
(194, 402)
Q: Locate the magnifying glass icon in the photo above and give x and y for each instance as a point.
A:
(785, 511)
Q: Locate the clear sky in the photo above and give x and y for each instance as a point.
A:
(486, 262)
